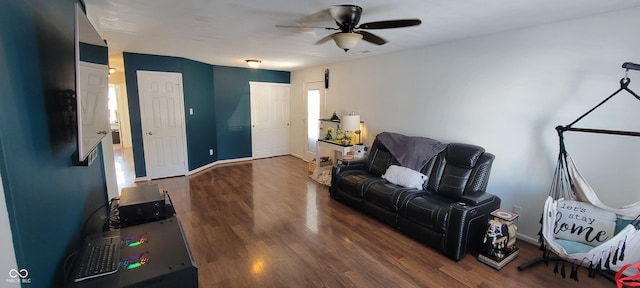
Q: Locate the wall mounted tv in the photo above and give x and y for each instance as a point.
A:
(92, 72)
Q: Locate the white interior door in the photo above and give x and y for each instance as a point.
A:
(269, 119)
(163, 129)
(314, 102)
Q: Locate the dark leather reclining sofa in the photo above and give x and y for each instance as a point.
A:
(450, 213)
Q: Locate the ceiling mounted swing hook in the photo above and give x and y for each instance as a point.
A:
(624, 82)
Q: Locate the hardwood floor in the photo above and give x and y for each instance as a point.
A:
(125, 174)
(265, 223)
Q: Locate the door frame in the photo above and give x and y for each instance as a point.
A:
(182, 116)
(306, 86)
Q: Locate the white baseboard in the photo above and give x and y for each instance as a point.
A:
(211, 165)
(298, 156)
(528, 239)
(219, 162)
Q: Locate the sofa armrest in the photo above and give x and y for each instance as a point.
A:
(477, 199)
(351, 165)
(466, 226)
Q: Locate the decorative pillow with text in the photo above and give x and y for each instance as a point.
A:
(584, 223)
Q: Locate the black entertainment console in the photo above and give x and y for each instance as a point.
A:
(154, 254)
(148, 249)
(142, 204)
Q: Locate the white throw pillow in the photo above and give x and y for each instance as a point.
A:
(405, 177)
(584, 223)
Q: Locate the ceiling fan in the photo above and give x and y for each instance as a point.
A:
(347, 18)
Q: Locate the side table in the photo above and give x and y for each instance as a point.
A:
(339, 149)
(498, 247)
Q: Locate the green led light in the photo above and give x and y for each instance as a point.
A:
(134, 244)
(134, 266)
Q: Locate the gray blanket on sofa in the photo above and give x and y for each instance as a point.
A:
(411, 152)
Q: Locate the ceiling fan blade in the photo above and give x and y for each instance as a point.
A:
(305, 27)
(372, 38)
(391, 24)
(323, 40)
(322, 15)
(346, 14)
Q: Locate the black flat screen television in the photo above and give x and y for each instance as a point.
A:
(92, 88)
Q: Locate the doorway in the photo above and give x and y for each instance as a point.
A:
(120, 131)
(315, 102)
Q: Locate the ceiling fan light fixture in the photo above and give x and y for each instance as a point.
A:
(253, 63)
(346, 41)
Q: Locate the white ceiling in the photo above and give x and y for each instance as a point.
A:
(225, 32)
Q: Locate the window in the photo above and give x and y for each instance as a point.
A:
(313, 114)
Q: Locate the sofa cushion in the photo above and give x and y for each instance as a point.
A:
(405, 177)
(464, 155)
(353, 182)
(453, 181)
(429, 211)
(386, 195)
(379, 160)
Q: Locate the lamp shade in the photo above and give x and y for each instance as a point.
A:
(346, 41)
(350, 122)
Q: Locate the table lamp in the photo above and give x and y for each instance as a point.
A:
(351, 123)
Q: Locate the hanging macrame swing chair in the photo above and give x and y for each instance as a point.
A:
(610, 255)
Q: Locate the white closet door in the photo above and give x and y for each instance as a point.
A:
(269, 119)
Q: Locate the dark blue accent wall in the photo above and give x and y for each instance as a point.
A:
(219, 96)
(233, 122)
(94, 53)
(47, 198)
(201, 129)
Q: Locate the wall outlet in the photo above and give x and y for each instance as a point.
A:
(211, 152)
(517, 209)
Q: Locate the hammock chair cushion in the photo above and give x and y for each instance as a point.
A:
(576, 247)
(584, 223)
(573, 247)
(621, 223)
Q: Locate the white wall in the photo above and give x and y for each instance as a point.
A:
(123, 109)
(505, 92)
(118, 80)
(109, 163)
(7, 251)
